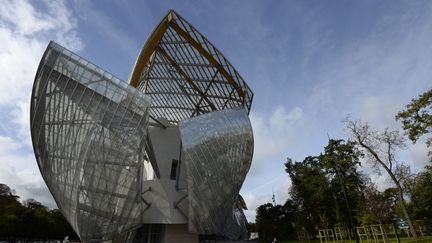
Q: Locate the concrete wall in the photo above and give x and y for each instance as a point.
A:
(178, 233)
(166, 147)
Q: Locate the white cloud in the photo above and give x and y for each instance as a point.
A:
(24, 33)
(281, 192)
(264, 193)
(253, 202)
(24, 20)
(380, 111)
(370, 77)
(419, 155)
(18, 63)
(382, 180)
(7, 144)
(23, 17)
(374, 77)
(25, 30)
(390, 65)
(20, 172)
(273, 134)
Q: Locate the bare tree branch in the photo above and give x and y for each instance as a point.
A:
(381, 149)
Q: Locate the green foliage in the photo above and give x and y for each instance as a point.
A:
(317, 200)
(311, 192)
(275, 221)
(381, 148)
(391, 196)
(31, 220)
(421, 195)
(380, 205)
(341, 160)
(320, 184)
(265, 221)
(417, 117)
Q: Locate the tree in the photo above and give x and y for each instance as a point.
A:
(286, 226)
(32, 220)
(340, 161)
(417, 117)
(5, 191)
(327, 189)
(391, 198)
(421, 193)
(265, 222)
(10, 208)
(311, 191)
(379, 210)
(276, 221)
(381, 147)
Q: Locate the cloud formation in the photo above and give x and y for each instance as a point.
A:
(274, 135)
(308, 65)
(371, 74)
(26, 27)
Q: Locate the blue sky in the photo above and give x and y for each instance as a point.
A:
(310, 64)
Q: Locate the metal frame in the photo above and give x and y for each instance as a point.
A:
(87, 129)
(90, 136)
(178, 65)
(215, 146)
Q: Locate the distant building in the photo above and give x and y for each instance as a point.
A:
(161, 159)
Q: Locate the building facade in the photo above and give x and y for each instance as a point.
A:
(160, 158)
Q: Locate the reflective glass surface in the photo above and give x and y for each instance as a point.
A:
(88, 130)
(90, 136)
(217, 151)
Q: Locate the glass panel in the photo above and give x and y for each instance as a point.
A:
(87, 136)
(217, 152)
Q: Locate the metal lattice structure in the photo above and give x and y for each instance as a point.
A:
(215, 145)
(173, 147)
(87, 128)
(185, 75)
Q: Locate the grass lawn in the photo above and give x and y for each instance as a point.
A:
(425, 239)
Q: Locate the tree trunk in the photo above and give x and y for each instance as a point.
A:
(392, 176)
(405, 211)
(401, 199)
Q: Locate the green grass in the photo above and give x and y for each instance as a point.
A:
(425, 239)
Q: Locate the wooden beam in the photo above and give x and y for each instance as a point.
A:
(208, 56)
(151, 63)
(149, 48)
(186, 77)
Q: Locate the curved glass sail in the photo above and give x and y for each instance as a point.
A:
(235, 227)
(185, 74)
(88, 130)
(106, 164)
(217, 151)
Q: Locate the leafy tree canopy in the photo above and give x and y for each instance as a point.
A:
(31, 220)
(322, 184)
(417, 117)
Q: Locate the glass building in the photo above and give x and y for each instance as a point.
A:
(160, 158)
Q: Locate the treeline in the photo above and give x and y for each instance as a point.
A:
(328, 190)
(30, 219)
